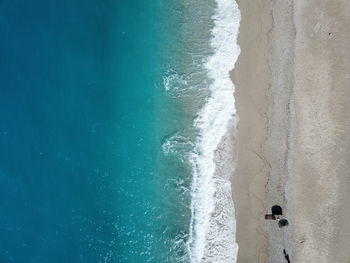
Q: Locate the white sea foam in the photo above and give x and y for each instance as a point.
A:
(175, 84)
(178, 85)
(212, 230)
(177, 144)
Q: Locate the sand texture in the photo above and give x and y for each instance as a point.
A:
(293, 142)
(321, 159)
(251, 78)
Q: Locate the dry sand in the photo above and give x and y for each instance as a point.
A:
(321, 187)
(293, 144)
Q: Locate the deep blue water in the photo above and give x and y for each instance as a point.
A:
(82, 118)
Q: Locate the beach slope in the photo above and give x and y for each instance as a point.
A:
(251, 80)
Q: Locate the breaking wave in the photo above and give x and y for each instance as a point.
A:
(212, 228)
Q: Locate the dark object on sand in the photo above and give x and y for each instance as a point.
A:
(277, 215)
(276, 210)
(282, 222)
(286, 256)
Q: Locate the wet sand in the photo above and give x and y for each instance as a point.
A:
(293, 145)
(251, 78)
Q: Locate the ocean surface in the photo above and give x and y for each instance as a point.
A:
(117, 122)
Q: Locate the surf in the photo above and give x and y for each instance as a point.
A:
(212, 226)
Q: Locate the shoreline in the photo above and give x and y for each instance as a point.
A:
(212, 225)
(292, 137)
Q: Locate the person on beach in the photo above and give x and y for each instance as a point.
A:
(277, 214)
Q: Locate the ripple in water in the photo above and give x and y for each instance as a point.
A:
(177, 145)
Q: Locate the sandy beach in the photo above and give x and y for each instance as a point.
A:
(251, 78)
(292, 146)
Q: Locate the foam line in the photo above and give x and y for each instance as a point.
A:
(212, 229)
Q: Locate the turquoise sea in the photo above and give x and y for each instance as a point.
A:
(105, 130)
